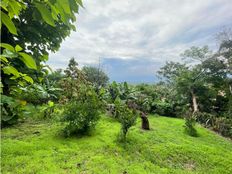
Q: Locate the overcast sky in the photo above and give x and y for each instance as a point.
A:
(134, 38)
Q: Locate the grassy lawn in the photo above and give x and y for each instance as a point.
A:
(39, 148)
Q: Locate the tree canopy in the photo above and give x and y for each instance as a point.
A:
(96, 76)
(29, 30)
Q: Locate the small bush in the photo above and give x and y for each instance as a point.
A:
(82, 113)
(127, 117)
(190, 127)
(190, 121)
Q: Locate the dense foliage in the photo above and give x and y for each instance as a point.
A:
(96, 76)
(75, 101)
(204, 84)
(24, 37)
(199, 89)
(190, 121)
(82, 112)
(29, 30)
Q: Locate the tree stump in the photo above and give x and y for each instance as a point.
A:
(145, 122)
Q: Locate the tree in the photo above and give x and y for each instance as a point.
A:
(96, 76)
(190, 121)
(197, 53)
(225, 57)
(126, 116)
(141, 103)
(30, 30)
(191, 80)
(72, 80)
(205, 85)
(187, 81)
(132, 98)
(82, 112)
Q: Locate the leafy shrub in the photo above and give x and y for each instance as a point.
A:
(190, 127)
(11, 110)
(127, 117)
(82, 113)
(190, 121)
(38, 94)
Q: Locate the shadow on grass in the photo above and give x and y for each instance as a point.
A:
(60, 134)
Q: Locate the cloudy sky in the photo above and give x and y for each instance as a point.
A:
(132, 39)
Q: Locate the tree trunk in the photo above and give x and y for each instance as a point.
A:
(145, 122)
(194, 102)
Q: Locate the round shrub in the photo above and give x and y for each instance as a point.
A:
(82, 113)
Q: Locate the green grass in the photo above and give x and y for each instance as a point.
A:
(39, 148)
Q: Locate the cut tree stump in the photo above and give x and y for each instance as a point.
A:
(145, 122)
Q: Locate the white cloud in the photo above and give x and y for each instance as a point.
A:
(154, 29)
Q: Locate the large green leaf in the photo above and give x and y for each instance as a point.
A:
(9, 54)
(28, 60)
(74, 6)
(45, 13)
(18, 48)
(63, 16)
(8, 23)
(15, 7)
(65, 5)
(10, 70)
(3, 5)
(55, 12)
(3, 59)
(7, 46)
(28, 79)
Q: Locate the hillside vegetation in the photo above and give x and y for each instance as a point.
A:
(82, 119)
(39, 147)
